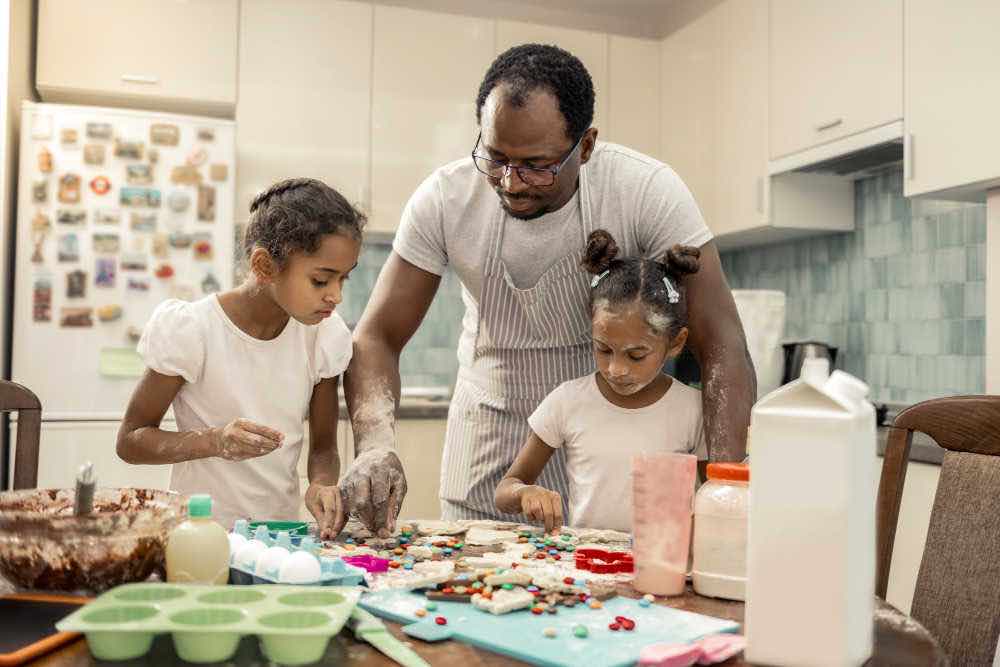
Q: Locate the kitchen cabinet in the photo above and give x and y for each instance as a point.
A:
(590, 47)
(170, 56)
(836, 70)
(952, 65)
(633, 94)
(420, 445)
(426, 70)
(304, 96)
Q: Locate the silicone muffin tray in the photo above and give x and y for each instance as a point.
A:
(294, 623)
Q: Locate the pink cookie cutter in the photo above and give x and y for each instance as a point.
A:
(706, 651)
(372, 564)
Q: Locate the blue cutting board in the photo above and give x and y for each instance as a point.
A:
(519, 634)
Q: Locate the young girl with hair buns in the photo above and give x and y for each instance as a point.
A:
(628, 407)
(245, 368)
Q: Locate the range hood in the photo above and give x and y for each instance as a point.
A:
(852, 157)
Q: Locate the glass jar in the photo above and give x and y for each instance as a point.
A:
(720, 532)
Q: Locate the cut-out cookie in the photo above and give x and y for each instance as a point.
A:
(436, 527)
(485, 537)
(504, 601)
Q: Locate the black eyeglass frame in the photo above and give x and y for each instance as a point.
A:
(507, 166)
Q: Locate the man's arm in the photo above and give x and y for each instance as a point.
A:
(374, 486)
(729, 384)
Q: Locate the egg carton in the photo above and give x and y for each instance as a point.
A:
(294, 624)
(331, 571)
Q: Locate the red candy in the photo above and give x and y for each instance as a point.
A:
(628, 624)
(614, 626)
(568, 581)
(441, 620)
(536, 611)
(447, 589)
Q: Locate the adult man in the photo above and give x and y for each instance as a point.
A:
(512, 220)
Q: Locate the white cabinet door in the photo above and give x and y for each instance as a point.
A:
(305, 96)
(633, 114)
(836, 70)
(952, 97)
(590, 47)
(149, 53)
(426, 71)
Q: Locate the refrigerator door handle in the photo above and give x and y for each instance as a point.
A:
(140, 78)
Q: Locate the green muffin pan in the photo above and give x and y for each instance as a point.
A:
(294, 623)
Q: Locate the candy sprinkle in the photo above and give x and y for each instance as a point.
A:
(421, 613)
(596, 604)
(614, 627)
(580, 631)
(431, 605)
(643, 602)
(441, 620)
(549, 632)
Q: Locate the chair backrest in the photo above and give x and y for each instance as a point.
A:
(20, 399)
(957, 596)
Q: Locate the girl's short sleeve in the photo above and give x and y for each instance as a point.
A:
(334, 348)
(548, 420)
(173, 341)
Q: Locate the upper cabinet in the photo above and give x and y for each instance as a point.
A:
(633, 116)
(836, 69)
(174, 56)
(426, 71)
(952, 147)
(305, 96)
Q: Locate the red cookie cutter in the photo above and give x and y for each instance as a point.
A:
(600, 561)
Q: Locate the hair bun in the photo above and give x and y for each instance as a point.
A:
(601, 251)
(682, 260)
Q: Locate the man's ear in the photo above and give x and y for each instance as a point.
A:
(587, 144)
(262, 265)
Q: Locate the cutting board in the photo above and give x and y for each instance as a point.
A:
(520, 635)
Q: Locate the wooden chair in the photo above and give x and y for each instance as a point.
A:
(19, 399)
(957, 595)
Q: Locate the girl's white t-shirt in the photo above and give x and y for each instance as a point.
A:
(601, 438)
(228, 375)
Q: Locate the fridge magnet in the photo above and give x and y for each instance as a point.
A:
(218, 172)
(41, 299)
(197, 157)
(100, 185)
(71, 216)
(149, 197)
(179, 240)
(202, 245)
(137, 284)
(68, 137)
(41, 127)
(209, 284)
(129, 150)
(133, 333)
(76, 284)
(206, 203)
(153, 155)
(76, 317)
(137, 244)
(99, 131)
(105, 272)
(69, 189)
(106, 244)
(206, 134)
(69, 248)
(41, 226)
(164, 134)
(134, 261)
(93, 154)
(40, 191)
(178, 200)
(185, 174)
(182, 291)
(139, 174)
(107, 216)
(161, 249)
(108, 313)
(44, 160)
(164, 271)
(142, 222)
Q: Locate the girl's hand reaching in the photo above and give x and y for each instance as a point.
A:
(243, 439)
(324, 503)
(540, 504)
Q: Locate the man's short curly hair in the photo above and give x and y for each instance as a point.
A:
(528, 67)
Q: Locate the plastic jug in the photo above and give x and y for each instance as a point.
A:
(198, 549)
(811, 542)
(720, 532)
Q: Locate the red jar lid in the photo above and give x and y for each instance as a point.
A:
(734, 472)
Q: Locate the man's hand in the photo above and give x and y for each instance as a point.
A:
(373, 489)
(324, 503)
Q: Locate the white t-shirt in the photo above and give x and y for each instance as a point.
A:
(228, 375)
(641, 201)
(601, 438)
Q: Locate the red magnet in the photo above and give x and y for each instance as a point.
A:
(604, 562)
(100, 185)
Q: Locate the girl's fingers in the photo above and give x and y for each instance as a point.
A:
(557, 514)
(259, 429)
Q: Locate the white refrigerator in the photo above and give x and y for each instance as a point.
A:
(117, 211)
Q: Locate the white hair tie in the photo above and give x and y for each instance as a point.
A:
(673, 296)
(597, 279)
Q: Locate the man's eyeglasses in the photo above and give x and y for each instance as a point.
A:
(536, 176)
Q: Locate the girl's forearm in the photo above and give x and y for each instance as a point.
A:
(152, 445)
(507, 497)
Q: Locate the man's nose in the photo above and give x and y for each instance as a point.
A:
(511, 181)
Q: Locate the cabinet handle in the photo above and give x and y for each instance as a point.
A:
(140, 78)
(829, 124)
(908, 155)
(760, 194)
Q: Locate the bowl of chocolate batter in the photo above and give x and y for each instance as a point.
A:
(43, 546)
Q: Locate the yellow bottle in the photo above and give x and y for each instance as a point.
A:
(198, 549)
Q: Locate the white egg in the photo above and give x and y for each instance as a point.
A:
(299, 568)
(270, 561)
(236, 542)
(246, 557)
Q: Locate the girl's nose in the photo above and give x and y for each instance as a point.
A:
(335, 297)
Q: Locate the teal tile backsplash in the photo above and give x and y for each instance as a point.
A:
(903, 296)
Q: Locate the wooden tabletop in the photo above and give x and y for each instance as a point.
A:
(899, 640)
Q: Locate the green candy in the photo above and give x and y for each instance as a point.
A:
(507, 587)
(580, 631)
(566, 538)
(431, 606)
(570, 547)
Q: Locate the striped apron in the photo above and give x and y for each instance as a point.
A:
(528, 342)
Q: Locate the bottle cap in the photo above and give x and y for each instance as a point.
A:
(200, 505)
(734, 472)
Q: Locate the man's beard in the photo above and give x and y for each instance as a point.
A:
(519, 215)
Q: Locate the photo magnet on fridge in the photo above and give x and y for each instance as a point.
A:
(137, 284)
(129, 150)
(68, 137)
(148, 197)
(197, 157)
(109, 313)
(107, 216)
(206, 134)
(71, 216)
(179, 240)
(153, 155)
(40, 191)
(106, 271)
(139, 174)
(164, 134)
(106, 244)
(76, 317)
(202, 245)
(76, 284)
(218, 172)
(69, 248)
(41, 227)
(161, 248)
(210, 284)
(134, 262)
(142, 222)
(41, 299)
(99, 131)
(206, 203)
(185, 174)
(93, 154)
(44, 160)
(69, 189)
(178, 200)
